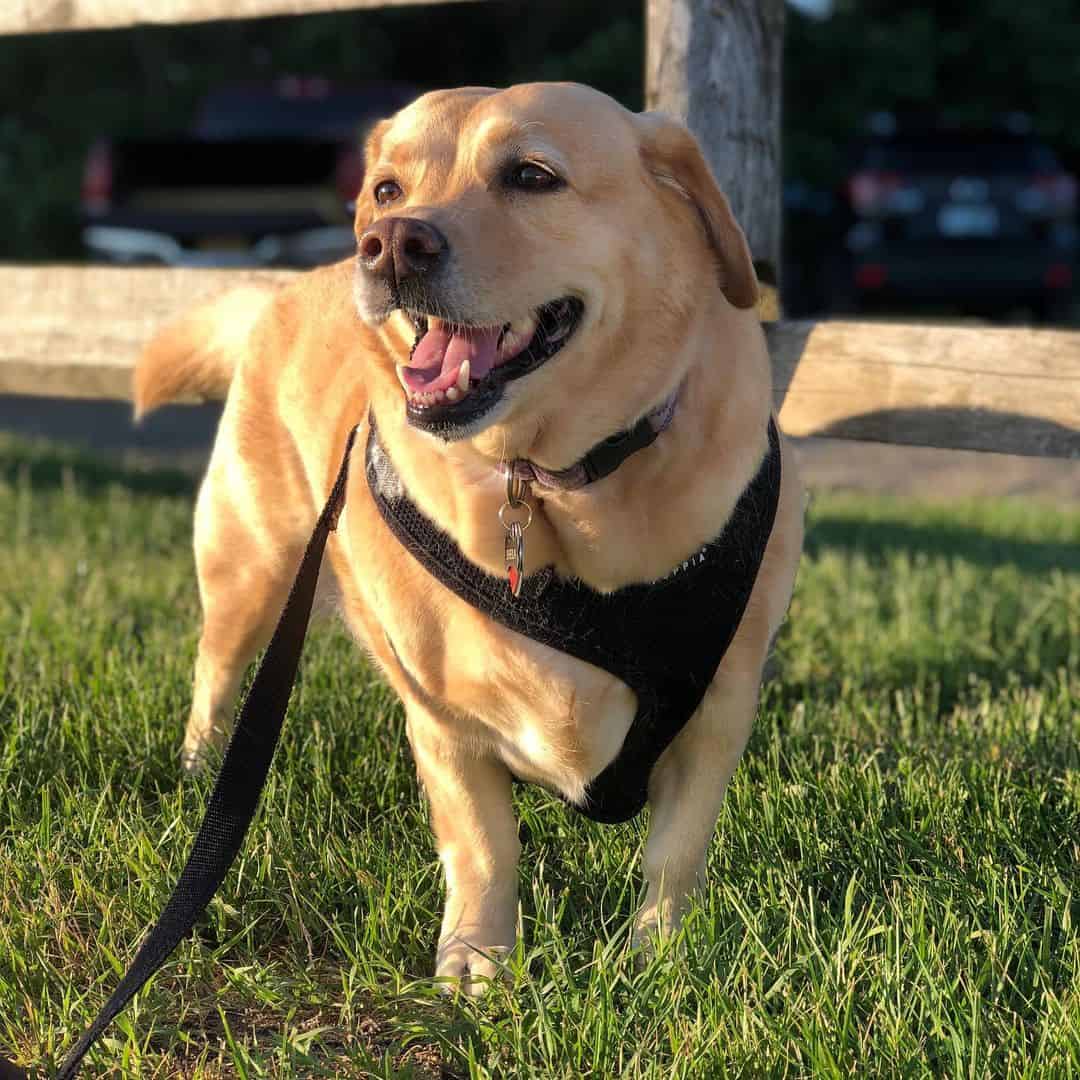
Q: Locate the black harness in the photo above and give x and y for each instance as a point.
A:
(664, 640)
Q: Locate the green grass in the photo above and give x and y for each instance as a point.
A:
(893, 889)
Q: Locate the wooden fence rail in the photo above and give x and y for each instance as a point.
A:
(76, 331)
(39, 16)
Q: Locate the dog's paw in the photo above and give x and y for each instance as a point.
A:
(201, 758)
(193, 761)
(204, 746)
(653, 936)
(469, 969)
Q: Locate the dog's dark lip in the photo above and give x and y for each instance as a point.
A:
(555, 325)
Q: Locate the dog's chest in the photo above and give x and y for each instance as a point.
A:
(551, 717)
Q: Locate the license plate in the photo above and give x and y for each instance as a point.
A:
(958, 219)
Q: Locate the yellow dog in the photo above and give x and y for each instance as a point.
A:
(538, 270)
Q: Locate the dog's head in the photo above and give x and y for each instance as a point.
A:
(549, 250)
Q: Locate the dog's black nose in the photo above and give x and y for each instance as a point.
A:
(397, 248)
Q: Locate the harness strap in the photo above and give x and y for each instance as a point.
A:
(239, 784)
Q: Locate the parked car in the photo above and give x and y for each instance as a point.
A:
(981, 219)
(266, 177)
(809, 236)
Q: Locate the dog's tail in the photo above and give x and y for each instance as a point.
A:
(196, 355)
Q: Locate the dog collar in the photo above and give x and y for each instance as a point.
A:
(604, 458)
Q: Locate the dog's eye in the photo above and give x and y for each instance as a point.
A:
(528, 176)
(387, 191)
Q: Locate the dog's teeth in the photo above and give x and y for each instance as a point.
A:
(463, 376)
(452, 394)
(440, 396)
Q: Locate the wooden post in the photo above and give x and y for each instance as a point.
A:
(41, 16)
(716, 65)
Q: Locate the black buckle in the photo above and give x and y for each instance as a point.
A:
(606, 457)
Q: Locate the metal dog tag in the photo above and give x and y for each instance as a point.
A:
(517, 493)
(515, 557)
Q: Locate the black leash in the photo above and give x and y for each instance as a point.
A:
(240, 782)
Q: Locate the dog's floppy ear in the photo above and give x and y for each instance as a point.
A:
(673, 157)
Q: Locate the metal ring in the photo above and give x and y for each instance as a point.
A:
(517, 488)
(511, 506)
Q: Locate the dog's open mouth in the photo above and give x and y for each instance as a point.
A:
(456, 374)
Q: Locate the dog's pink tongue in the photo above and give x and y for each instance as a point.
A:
(437, 358)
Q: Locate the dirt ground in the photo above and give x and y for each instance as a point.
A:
(180, 437)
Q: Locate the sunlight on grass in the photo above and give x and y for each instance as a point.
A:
(893, 887)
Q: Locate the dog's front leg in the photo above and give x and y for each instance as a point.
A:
(476, 834)
(686, 790)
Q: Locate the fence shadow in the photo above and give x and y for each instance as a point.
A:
(969, 428)
(880, 538)
(96, 444)
(47, 467)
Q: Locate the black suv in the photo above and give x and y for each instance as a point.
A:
(985, 220)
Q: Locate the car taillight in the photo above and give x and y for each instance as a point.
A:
(349, 175)
(871, 276)
(1050, 195)
(97, 182)
(1058, 276)
(293, 87)
(882, 192)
